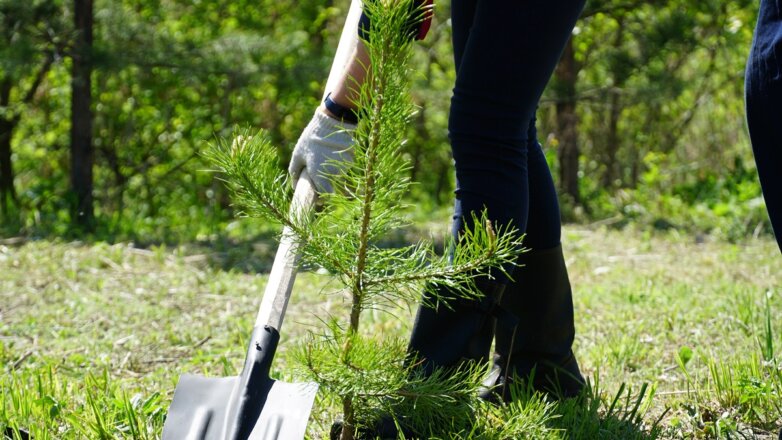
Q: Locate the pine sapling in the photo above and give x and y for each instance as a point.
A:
(371, 375)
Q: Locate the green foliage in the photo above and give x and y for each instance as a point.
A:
(739, 394)
(41, 404)
(74, 310)
(168, 76)
(530, 416)
(729, 208)
(622, 414)
(249, 164)
(32, 30)
(381, 379)
(659, 92)
(657, 86)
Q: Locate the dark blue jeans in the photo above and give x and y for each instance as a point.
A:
(505, 52)
(763, 90)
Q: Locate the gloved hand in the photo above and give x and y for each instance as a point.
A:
(324, 139)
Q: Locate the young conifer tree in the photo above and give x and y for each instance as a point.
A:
(369, 374)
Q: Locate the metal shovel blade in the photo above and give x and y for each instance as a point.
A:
(251, 406)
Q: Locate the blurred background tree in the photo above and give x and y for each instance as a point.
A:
(643, 121)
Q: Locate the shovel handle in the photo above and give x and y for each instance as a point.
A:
(283, 273)
(347, 44)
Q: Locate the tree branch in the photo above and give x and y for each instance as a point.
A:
(47, 64)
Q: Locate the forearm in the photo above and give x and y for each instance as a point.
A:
(343, 58)
(344, 85)
(346, 88)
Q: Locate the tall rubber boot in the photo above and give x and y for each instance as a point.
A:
(540, 347)
(458, 332)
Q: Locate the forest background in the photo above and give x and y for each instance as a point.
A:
(123, 263)
(105, 110)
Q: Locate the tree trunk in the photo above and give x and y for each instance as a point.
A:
(7, 190)
(82, 154)
(7, 125)
(566, 75)
(611, 172)
(418, 148)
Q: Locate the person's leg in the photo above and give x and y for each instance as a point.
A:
(544, 222)
(462, 16)
(505, 56)
(540, 297)
(509, 55)
(764, 107)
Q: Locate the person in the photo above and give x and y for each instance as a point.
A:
(763, 99)
(505, 52)
(763, 96)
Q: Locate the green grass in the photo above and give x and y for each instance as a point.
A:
(680, 340)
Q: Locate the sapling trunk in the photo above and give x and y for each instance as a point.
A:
(363, 245)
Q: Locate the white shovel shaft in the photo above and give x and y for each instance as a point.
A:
(283, 273)
(347, 45)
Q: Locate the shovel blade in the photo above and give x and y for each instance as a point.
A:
(286, 411)
(251, 406)
(199, 410)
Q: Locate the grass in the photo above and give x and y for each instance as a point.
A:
(680, 339)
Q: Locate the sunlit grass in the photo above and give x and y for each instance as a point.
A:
(680, 340)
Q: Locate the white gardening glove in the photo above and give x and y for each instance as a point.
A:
(324, 139)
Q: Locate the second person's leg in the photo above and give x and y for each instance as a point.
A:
(764, 107)
(540, 346)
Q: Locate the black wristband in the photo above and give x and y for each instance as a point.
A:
(344, 114)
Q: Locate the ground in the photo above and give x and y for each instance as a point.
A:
(93, 337)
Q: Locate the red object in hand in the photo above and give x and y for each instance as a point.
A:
(426, 23)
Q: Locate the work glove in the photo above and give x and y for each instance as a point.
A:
(324, 139)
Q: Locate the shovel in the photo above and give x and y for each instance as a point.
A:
(251, 406)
